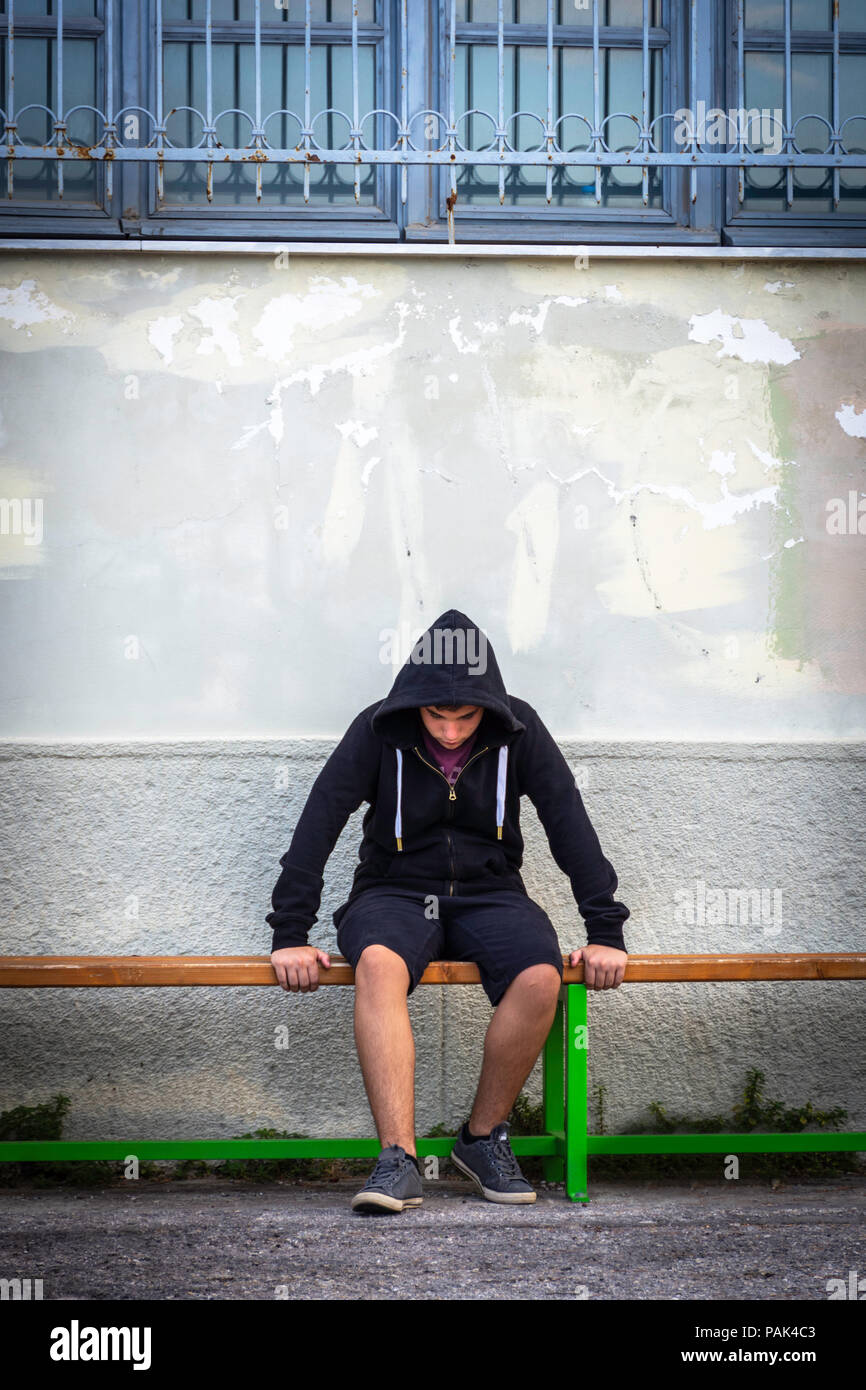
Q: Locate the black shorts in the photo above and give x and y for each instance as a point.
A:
(502, 932)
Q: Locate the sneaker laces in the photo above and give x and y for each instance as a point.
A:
(387, 1166)
(503, 1155)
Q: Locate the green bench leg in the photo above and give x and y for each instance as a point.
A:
(576, 1056)
(554, 1092)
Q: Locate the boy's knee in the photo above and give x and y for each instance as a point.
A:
(543, 980)
(380, 963)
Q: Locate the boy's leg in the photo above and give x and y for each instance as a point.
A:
(386, 1045)
(389, 941)
(515, 1036)
(515, 946)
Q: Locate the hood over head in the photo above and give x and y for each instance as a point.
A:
(452, 663)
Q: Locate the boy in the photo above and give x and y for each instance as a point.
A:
(443, 762)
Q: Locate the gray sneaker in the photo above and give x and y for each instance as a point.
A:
(491, 1165)
(394, 1183)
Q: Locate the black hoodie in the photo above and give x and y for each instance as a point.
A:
(420, 833)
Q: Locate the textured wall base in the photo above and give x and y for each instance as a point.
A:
(160, 848)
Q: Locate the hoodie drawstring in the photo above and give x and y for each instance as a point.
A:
(501, 776)
(398, 823)
(500, 790)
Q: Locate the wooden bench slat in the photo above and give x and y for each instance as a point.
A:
(29, 972)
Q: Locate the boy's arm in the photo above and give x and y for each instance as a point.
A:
(349, 777)
(549, 782)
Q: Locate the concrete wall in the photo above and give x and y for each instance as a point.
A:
(229, 477)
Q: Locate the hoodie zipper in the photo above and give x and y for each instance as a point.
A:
(452, 796)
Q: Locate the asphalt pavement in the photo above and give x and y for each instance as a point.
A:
(213, 1238)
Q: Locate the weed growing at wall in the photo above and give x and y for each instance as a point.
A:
(754, 1113)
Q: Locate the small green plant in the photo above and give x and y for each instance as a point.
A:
(439, 1131)
(297, 1169)
(35, 1121)
(45, 1121)
(754, 1114)
(599, 1104)
(528, 1118)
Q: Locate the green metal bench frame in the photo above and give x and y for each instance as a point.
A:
(565, 1146)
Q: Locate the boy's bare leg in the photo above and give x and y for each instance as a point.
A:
(515, 1037)
(386, 1045)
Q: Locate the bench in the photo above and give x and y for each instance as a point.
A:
(566, 1144)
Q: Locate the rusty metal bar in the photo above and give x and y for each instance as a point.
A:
(404, 97)
(693, 88)
(355, 135)
(320, 154)
(500, 90)
(159, 130)
(257, 137)
(110, 133)
(548, 143)
(60, 131)
(452, 130)
(645, 101)
(11, 126)
(596, 105)
(741, 99)
(789, 177)
(307, 132)
(209, 125)
(835, 100)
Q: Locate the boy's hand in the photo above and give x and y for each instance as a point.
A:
(603, 966)
(297, 967)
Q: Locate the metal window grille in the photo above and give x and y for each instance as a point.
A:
(276, 107)
(805, 60)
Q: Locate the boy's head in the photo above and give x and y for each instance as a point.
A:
(451, 724)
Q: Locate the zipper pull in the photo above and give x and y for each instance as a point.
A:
(452, 795)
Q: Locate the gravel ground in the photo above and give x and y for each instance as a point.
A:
(211, 1238)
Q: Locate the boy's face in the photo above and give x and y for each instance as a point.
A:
(451, 726)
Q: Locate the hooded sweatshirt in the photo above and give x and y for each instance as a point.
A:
(421, 831)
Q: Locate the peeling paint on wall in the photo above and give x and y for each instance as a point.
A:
(635, 451)
(749, 339)
(23, 304)
(326, 303)
(161, 332)
(852, 421)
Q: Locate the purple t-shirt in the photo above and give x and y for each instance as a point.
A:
(448, 760)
